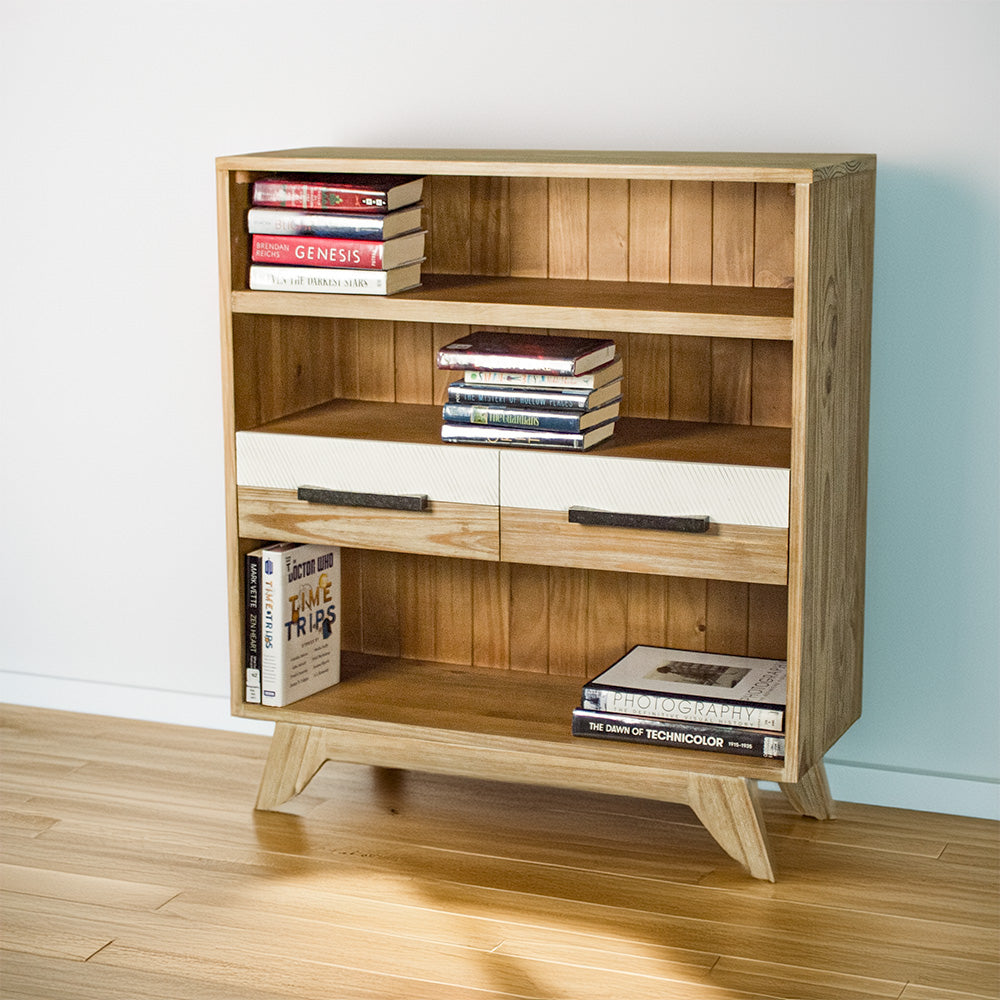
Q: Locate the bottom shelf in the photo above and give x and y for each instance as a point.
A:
(511, 725)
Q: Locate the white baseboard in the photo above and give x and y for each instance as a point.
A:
(850, 781)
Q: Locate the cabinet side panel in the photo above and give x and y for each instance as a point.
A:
(834, 466)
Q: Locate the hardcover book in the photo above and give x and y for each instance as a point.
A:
(707, 688)
(526, 352)
(550, 399)
(670, 733)
(300, 620)
(529, 418)
(345, 281)
(252, 628)
(336, 225)
(564, 440)
(322, 251)
(593, 379)
(339, 192)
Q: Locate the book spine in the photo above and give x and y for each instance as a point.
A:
(319, 197)
(500, 416)
(655, 705)
(504, 362)
(282, 278)
(683, 735)
(458, 392)
(317, 251)
(252, 637)
(272, 645)
(284, 222)
(483, 377)
(473, 434)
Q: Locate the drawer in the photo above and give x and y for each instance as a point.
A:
(746, 507)
(394, 495)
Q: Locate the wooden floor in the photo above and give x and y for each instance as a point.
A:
(134, 867)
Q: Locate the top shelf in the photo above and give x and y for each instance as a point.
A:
(792, 168)
(556, 303)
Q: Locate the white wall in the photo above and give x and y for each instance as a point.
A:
(111, 493)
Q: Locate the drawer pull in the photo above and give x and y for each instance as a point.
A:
(382, 501)
(692, 524)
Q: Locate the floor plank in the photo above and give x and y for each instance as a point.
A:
(135, 866)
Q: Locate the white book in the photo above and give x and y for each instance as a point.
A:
(300, 621)
(338, 280)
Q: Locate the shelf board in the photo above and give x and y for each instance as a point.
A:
(554, 303)
(472, 708)
(634, 437)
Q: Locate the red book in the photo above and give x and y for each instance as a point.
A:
(340, 193)
(320, 251)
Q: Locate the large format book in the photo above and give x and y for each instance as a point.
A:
(529, 418)
(708, 688)
(321, 251)
(526, 352)
(345, 281)
(670, 733)
(594, 379)
(527, 396)
(565, 440)
(338, 225)
(339, 192)
(300, 620)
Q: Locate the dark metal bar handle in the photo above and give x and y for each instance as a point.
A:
(382, 501)
(692, 524)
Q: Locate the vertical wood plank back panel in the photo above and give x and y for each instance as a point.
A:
(608, 230)
(774, 236)
(417, 595)
(377, 351)
(568, 227)
(414, 363)
(607, 620)
(528, 219)
(489, 226)
(491, 601)
(647, 610)
(568, 597)
(529, 617)
(649, 230)
(450, 222)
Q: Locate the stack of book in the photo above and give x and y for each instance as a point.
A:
(531, 390)
(695, 701)
(292, 622)
(358, 234)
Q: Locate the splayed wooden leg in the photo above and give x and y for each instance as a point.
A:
(296, 754)
(730, 810)
(810, 795)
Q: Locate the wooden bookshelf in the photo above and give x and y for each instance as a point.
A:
(738, 291)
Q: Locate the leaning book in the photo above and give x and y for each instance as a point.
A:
(704, 688)
(670, 733)
(299, 621)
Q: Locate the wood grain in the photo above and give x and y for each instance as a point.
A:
(423, 887)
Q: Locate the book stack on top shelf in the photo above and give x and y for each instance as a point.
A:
(531, 390)
(354, 234)
(692, 700)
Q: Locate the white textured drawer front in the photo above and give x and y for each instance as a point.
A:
(441, 472)
(728, 494)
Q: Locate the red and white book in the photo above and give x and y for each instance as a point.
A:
(320, 251)
(339, 193)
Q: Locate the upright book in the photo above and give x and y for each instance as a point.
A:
(526, 352)
(339, 192)
(707, 688)
(252, 628)
(300, 621)
(334, 225)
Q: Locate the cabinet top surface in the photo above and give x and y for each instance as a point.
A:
(789, 167)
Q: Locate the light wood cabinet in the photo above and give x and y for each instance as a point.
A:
(738, 290)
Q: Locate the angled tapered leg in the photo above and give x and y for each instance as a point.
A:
(810, 795)
(730, 810)
(296, 754)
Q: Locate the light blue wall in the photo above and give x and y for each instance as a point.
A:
(110, 373)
